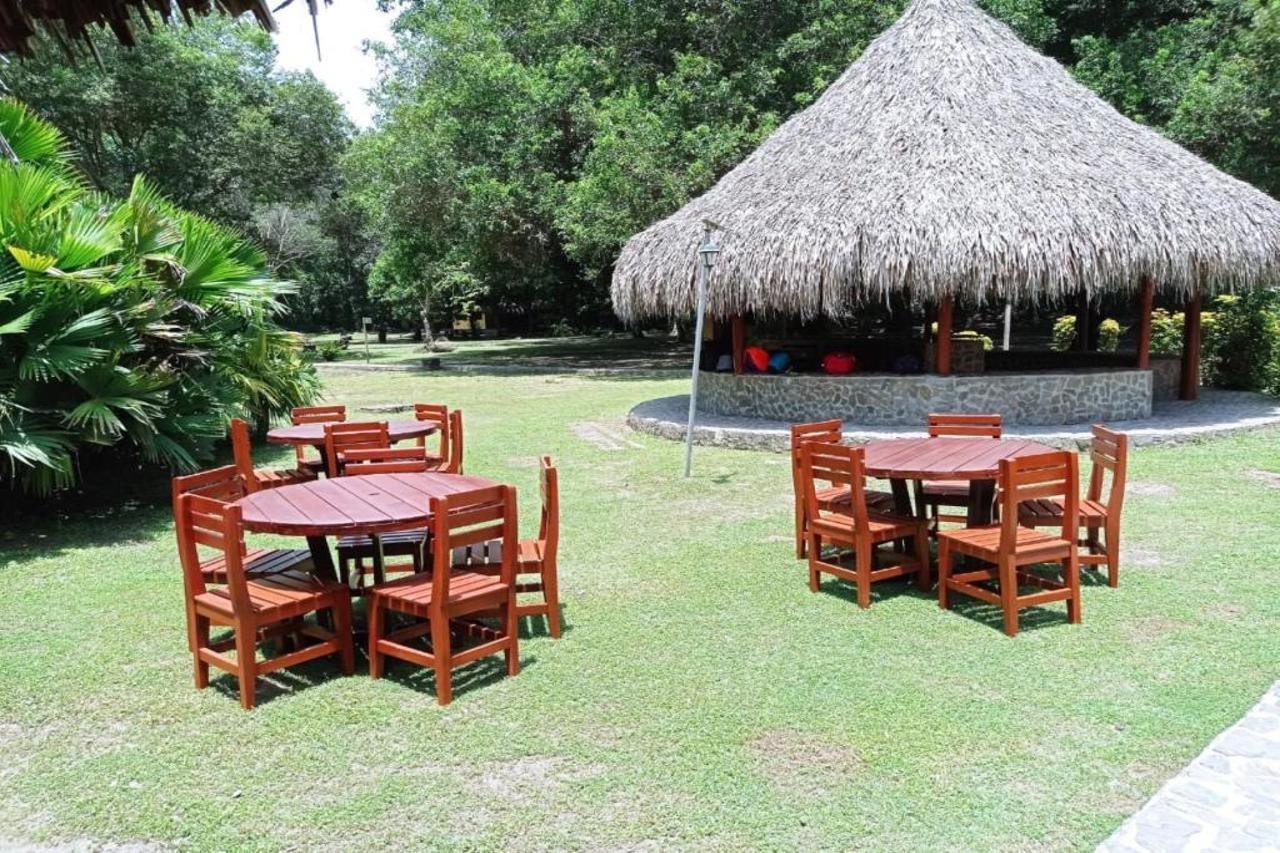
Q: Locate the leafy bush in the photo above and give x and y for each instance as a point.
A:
(987, 344)
(1109, 332)
(1064, 333)
(126, 327)
(1241, 340)
(330, 351)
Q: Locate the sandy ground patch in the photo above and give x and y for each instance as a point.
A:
(802, 762)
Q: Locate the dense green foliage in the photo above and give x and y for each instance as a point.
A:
(203, 114)
(522, 143)
(126, 327)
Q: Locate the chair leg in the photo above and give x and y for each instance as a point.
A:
(944, 574)
(863, 554)
(375, 634)
(1009, 596)
(441, 653)
(800, 537)
(815, 552)
(1071, 569)
(1113, 553)
(551, 595)
(200, 640)
(246, 663)
(342, 631)
(511, 625)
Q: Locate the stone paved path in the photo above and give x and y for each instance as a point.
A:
(1215, 413)
(1228, 799)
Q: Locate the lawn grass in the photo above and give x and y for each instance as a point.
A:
(701, 695)
(579, 351)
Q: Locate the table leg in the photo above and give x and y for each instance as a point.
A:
(981, 495)
(322, 558)
(901, 497)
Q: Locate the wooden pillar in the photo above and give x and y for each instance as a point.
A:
(942, 346)
(1190, 389)
(1146, 304)
(738, 332)
(1082, 321)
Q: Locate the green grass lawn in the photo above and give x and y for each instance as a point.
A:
(700, 697)
(579, 351)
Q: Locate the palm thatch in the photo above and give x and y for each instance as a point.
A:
(72, 22)
(952, 159)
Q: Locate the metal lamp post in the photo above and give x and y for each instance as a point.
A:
(707, 256)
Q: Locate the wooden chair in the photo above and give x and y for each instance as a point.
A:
(829, 432)
(250, 605)
(932, 495)
(1008, 546)
(453, 464)
(354, 550)
(437, 415)
(342, 437)
(534, 557)
(1110, 456)
(314, 415)
(445, 596)
(854, 526)
(226, 485)
(260, 478)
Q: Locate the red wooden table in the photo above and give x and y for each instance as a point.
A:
(371, 504)
(976, 460)
(312, 435)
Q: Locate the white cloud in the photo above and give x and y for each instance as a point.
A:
(344, 66)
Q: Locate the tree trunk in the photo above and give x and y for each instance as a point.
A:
(428, 337)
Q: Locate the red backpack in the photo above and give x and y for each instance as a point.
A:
(838, 364)
(757, 359)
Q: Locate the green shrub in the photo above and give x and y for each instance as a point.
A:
(1109, 332)
(987, 344)
(1064, 333)
(126, 327)
(1241, 342)
(330, 351)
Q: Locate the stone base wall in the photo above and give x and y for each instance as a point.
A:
(1071, 397)
(1166, 377)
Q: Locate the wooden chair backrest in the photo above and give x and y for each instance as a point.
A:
(221, 485)
(318, 414)
(1110, 454)
(471, 518)
(211, 523)
(383, 460)
(341, 437)
(454, 463)
(242, 452)
(828, 432)
(947, 425)
(549, 529)
(437, 415)
(1044, 476)
(838, 465)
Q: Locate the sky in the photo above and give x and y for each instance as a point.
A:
(344, 67)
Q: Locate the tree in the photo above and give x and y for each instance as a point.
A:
(131, 327)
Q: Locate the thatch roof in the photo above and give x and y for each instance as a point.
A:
(73, 22)
(951, 158)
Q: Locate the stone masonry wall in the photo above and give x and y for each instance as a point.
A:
(1073, 397)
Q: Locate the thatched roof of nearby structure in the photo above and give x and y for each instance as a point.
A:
(951, 158)
(72, 22)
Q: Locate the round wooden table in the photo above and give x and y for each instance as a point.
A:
(371, 504)
(976, 460)
(313, 434)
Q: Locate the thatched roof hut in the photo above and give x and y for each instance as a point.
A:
(954, 160)
(72, 22)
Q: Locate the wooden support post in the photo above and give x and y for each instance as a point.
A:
(1082, 321)
(738, 331)
(1190, 389)
(1146, 304)
(942, 346)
